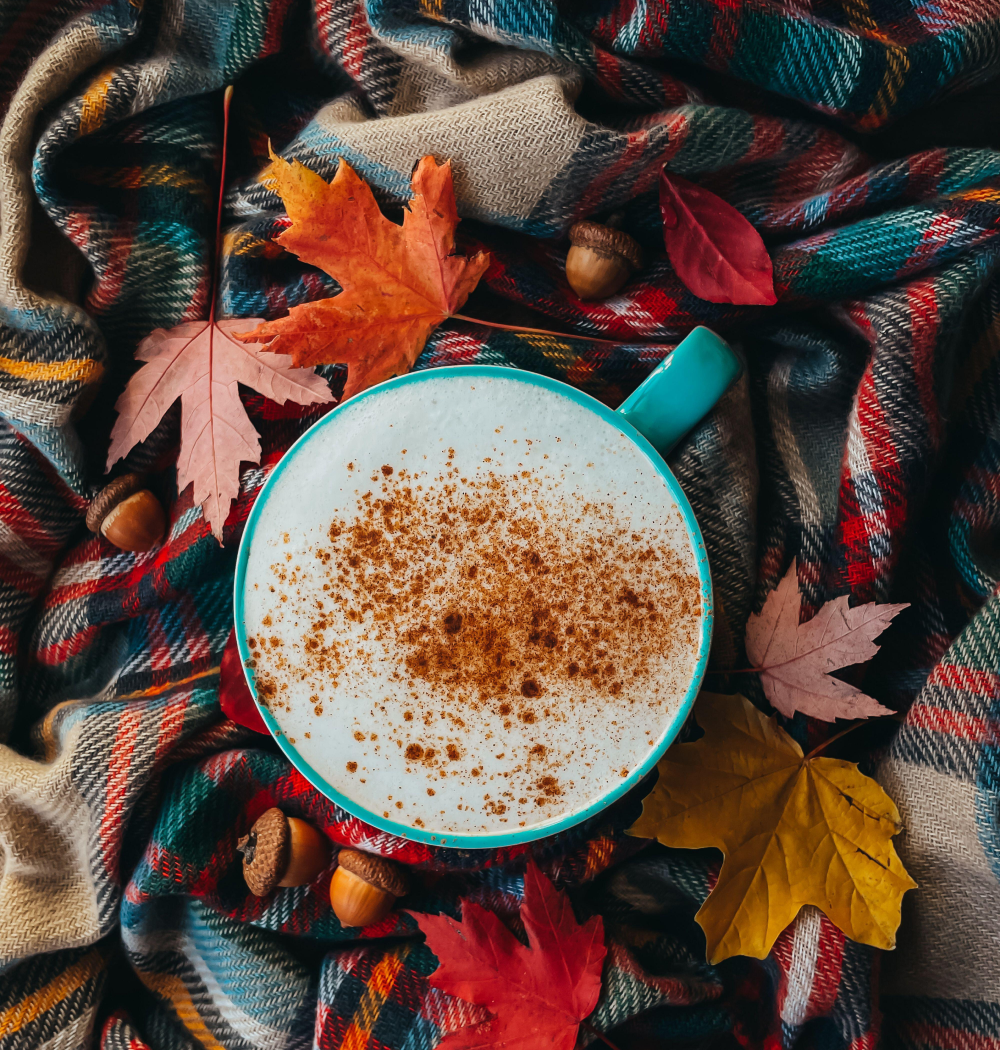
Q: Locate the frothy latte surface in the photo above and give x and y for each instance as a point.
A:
(471, 605)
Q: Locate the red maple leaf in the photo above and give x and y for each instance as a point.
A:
(399, 282)
(538, 994)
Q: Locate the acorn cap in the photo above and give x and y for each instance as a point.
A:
(109, 497)
(379, 872)
(607, 240)
(265, 852)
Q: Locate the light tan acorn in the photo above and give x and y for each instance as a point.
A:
(364, 888)
(127, 514)
(282, 851)
(600, 260)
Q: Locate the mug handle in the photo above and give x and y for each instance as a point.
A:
(682, 389)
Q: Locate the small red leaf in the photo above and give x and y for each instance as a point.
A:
(716, 253)
(539, 994)
(235, 697)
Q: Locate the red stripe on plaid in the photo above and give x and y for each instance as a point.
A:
(8, 641)
(653, 28)
(860, 525)
(925, 172)
(637, 142)
(322, 1020)
(194, 632)
(829, 964)
(322, 9)
(76, 226)
(768, 138)
(276, 15)
(63, 650)
(353, 52)
(159, 645)
(20, 579)
(609, 73)
(942, 228)
(25, 524)
(117, 784)
(171, 724)
(725, 33)
(679, 127)
(954, 723)
(968, 679)
(107, 288)
(923, 306)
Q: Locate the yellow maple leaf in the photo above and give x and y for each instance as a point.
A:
(794, 830)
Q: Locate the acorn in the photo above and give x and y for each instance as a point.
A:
(364, 887)
(600, 260)
(282, 851)
(127, 515)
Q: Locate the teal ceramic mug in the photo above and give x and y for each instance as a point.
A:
(487, 710)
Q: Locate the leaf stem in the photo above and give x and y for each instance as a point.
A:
(545, 331)
(600, 1035)
(227, 97)
(836, 736)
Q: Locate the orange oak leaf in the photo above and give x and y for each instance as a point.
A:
(399, 282)
(539, 994)
(795, 659)
(201, 363)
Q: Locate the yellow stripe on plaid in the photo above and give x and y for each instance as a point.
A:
(599, 853)
(373, 998)
(244, 242)
(133, 177)
(156, 690)
(990, 194)
(897, 63)
(95, 100)
(59, 988)
(173, 988)
(84, 371)
(897, 67)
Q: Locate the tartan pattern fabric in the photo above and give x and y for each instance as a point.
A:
(863, 442)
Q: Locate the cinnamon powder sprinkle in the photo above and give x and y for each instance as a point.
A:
(482, 598)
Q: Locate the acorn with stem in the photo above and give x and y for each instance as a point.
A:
(601, 259)
(282, 851)
(127, 514)
(364, 888)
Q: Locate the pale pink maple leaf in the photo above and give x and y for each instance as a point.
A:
(795, 659)
(200, 363)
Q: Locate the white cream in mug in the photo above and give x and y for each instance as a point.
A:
(472, 605)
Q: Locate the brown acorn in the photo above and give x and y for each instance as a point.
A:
(364, 887)
(600, 260)
(282, 851)
(127, 514)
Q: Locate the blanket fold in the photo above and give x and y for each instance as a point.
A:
(864, 441)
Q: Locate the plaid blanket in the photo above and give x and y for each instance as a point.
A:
(864, 440)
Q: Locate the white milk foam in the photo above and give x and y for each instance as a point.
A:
(472, 605)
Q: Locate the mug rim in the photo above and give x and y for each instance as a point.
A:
(556, 825)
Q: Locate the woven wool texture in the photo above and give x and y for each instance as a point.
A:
(864, 440)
